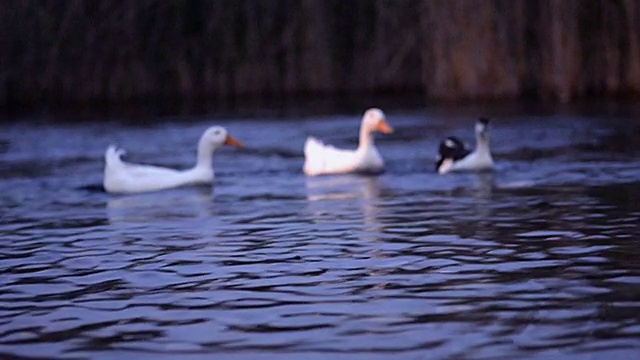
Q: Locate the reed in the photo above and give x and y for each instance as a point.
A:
(69, 52)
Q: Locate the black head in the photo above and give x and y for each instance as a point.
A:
(450, 148)
(484, 121)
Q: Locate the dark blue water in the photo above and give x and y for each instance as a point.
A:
(539, 259)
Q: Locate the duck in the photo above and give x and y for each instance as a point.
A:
(321, 159)
(454, 156)
(127, 178)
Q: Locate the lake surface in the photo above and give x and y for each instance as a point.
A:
(539, 259)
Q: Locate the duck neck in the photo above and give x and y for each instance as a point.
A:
(482, 142)
(366, 138)
(205, 155)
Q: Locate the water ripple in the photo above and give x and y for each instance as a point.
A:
(535, 260)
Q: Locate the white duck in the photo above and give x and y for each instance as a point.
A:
(453, 156)
(123, 177)
(326, 159)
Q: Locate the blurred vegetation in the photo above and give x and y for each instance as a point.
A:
(57, 52)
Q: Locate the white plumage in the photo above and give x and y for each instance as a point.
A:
(123, 177)
(325, 159)
(454, 156)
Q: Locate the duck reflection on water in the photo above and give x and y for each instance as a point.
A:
(155, 206)
(336, 197)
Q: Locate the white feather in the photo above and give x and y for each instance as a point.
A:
(123, 177)
(326, 159)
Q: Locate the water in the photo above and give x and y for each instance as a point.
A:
(539, 259)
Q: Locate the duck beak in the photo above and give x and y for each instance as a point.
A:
(383, 127)
(233, 142)
(445, 167)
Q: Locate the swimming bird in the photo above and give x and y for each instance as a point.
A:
(128, 178)
(454, 156)
(325, 159)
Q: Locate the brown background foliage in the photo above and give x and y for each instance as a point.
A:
(77, 51)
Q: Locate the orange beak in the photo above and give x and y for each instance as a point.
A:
(233, 142)
(383, 127)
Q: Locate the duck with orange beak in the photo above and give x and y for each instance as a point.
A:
(127, 178)
(323, 159)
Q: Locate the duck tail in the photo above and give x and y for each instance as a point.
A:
(312, 144)
(313, 156)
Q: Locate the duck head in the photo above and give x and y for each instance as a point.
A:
(212, 139)
(217, 136)
(482, 127)
(375, 120)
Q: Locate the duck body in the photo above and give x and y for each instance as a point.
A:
(127, 178)
(321, 159)
(326, 159)
(123, 177)
(454, 156)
